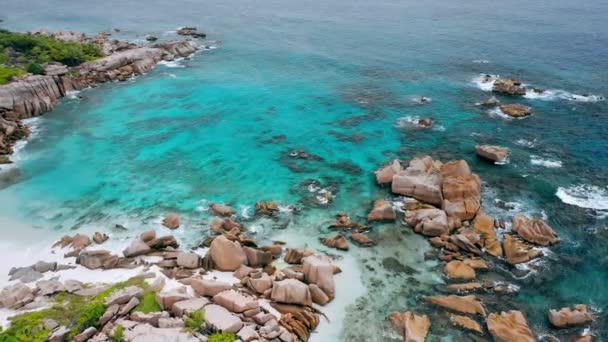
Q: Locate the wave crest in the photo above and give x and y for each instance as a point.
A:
(584, 196)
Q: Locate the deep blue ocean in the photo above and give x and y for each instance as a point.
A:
(338, 79)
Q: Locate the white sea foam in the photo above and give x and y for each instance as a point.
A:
(73, 94)
(34, 126)
(202, 205)
(482, 61)
(584, 196)
(485, 82)
(412, 121)
(176, 63)
(245, 211)
(558, 94)
(285, 208)
(550, 163)
(526, 143)
(497, 113)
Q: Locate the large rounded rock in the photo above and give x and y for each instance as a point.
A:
(534, 230)
(484, 226)
(320, 271)
(221, 209)
(16, 296)
(461, 190)
(508, 87)
(421, 180)
(385, 174)
(509, 326)
(518, 252)
(429, 222)
(569, 317)
(516, 110)
(171, 221)
(291, 291)
(382, 211)
(226, 255)
(338, 241)
(497, 154)
(457, 269)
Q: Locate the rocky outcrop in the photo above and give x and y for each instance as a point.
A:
(171, 221)
(291, 291)
(235, 301)
(429, 222)
(226, 255)
(191, 31)
(421, 180)
(266, 208)
(222, 319)
(497, 154)
(461, 190)
(534, 231)
(320, 271)
(509, 326)
(337, 241)
(382, 211)
(16, 296)
(484, 226)
(569, 317)
(516, 110)
(466, 323)
(385, 174)
(362, 240)
(221, 209)
(457, 269)
(209, 288)
(463, 304)
(490, 102)
(414, 328)
(518, 252)
(34, 95)
(508, 87)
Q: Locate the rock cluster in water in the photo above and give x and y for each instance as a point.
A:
(446, 207)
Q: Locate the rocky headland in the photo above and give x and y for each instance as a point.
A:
(33, 95)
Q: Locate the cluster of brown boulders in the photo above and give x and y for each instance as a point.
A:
(447, 208)
(234, 307)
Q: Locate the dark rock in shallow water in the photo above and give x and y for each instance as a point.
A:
(348, 167)
(393, 265)
(302, 154)
(356, 138)
(359, 119)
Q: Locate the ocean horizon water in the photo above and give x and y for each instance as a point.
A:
(340, 80)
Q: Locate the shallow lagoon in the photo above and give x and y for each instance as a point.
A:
(335, 79)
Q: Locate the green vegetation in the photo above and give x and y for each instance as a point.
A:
(119, 334)
(7, 73)
(70, 310)
(196, 320)
(148, 303)
(20, 52)
(222, 337)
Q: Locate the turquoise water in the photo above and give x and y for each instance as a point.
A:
(333, 79)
